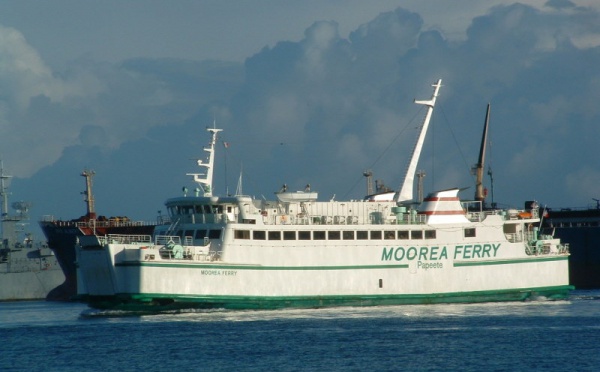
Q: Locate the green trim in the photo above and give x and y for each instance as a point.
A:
(511, 261)
(163, 302)
(205, 266)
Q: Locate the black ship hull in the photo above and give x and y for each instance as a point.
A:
(581, 230)
(62, 237)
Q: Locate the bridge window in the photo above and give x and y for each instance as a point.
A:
(303, 235)
(333, 235)
(259, 235)
(289, 235)
(362, 235)
(389, 235)
(274, 235)
(240, 234)
(429, 234)
(348, 235)
(214, 234)
(375, 235)
(319, 235)
(416, 234)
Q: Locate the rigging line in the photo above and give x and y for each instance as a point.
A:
(384, 151)
(279, 143)
(235, 160)
(457, 144)
(433, 127)
(226, 172)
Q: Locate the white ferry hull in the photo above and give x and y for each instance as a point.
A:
(118, 277)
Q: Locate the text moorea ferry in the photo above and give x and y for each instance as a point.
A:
(241, 253)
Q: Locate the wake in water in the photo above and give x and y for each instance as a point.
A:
(535, 306)
(97, 313)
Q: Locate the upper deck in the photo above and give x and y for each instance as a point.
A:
(245, 210)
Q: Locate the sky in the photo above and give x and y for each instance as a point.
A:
(306, 92)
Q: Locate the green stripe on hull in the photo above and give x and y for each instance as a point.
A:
(205, 266)
(347, 267)
(513, 261)
(163, 302)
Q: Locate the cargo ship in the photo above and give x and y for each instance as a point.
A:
(61, 236)
(28, 268)
(239, 252)
(580, 228)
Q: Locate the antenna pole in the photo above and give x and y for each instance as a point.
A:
(205, 179)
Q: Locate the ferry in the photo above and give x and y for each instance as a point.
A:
(238, 252)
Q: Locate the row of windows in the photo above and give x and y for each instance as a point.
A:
(334, 235)
(198, 209)
(200, 234)
(320, 234)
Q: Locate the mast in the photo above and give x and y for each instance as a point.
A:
(4, 190)
(420, 175)
(204, 180)
(406, 192)
(11, 226)
(6, 224)
(238, 190)
(479, 192)
(89, 195)
(369, 176)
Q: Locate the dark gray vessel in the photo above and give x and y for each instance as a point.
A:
(62, 236)
(580, 227)
(28, 269)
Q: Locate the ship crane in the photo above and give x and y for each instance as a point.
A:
(88, 194)
(480, 192)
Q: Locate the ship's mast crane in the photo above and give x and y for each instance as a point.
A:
(88, 194)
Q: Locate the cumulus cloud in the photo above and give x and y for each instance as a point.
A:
(528, 62)
(323, 109)
(22, 72)
(43, 112)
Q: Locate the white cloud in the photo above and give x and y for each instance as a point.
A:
(326, 107)
(23, 75)
(42, 112)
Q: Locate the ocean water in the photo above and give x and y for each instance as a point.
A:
(534, 335)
